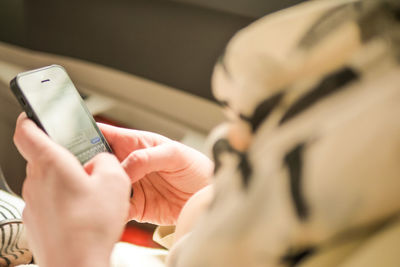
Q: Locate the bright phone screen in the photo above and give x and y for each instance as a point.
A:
(62, 112)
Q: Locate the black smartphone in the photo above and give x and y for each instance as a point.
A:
(51, 100)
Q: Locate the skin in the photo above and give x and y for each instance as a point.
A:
(74, 214)
(164, 173)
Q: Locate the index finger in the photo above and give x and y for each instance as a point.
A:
(123, 141)
(30, 140)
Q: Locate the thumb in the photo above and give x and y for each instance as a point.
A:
(32, 142)
(165, 157)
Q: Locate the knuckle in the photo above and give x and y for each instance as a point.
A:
(28, 170)
(174, 148)
(18, 135)
(46, 157)
(25, 214)
(20, 130)
(144, 158)
(15, 137)
(137, 158)
(50, 156)
(26, 190)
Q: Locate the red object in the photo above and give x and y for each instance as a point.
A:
(140, 237)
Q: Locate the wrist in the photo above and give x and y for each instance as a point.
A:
(78, 255)
(87, 260)
(93, 260)
(93, 257)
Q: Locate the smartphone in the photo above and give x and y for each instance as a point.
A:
(51, 100)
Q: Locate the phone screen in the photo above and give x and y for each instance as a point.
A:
(61, 111)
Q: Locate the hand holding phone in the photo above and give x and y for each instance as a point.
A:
(66, 203)
(51, 100)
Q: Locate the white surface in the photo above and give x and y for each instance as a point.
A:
(128, 255)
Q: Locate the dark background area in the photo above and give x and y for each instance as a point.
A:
(174, 42)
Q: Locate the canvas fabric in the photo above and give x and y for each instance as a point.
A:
(13, 243)
(307, 167)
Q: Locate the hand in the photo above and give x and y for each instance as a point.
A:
(164, 173)
(73, 217)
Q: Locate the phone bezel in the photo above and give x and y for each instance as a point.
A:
(25, 104)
